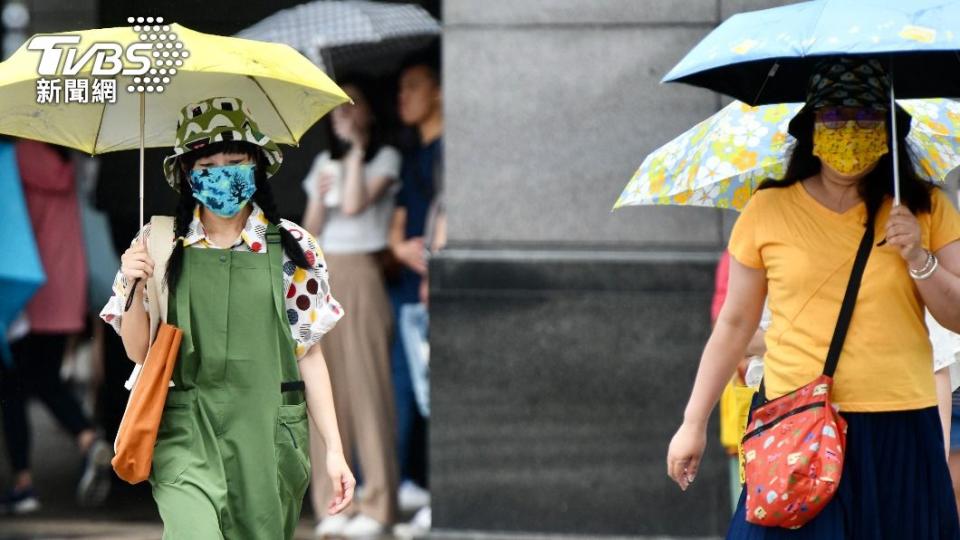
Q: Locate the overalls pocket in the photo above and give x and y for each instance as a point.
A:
(175, 438)
(292, 447)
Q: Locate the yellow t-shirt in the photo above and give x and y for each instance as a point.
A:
(807, 251)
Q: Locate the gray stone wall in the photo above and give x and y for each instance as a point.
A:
(565, 336)
(556, 384)
(552, 104)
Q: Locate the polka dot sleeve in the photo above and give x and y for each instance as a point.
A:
(312, 311)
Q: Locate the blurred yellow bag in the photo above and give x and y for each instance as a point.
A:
(734, 409)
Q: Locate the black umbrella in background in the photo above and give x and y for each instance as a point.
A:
(366, 37)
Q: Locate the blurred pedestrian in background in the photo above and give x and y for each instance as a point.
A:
(56, 311)
(420, 106)
(351, 190)
(89, 362)
(946, 348)
(795, 241)
(954, 439)
(945, 345)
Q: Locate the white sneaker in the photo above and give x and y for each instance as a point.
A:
(411, 497)
(19, 502)
(363, 526)
(331, 526)
(418, 526)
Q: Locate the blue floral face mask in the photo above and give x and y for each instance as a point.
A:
(224, 190)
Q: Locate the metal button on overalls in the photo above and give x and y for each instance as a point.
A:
(231, 459)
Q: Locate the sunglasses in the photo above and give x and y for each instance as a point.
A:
(837, 117)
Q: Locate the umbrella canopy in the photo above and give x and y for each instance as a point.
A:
(21, 272)
(767, 56)
(366, 36)
(285, 92)
(721, 161)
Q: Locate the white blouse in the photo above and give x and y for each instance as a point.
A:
(367, 231)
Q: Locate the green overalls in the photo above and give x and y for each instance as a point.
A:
(231, 459)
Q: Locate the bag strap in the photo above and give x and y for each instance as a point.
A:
(849, 300)
(159, 246)
(846, 308)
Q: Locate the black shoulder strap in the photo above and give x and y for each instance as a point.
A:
(846, 308)
(849, 300)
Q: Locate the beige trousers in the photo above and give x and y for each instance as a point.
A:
(357, 352)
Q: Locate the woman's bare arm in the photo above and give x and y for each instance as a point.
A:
(316, 377)
(314, 215)
(736, 325)
(941, 292)
(358, 191)
(944, 405)
(319, 391)
(135, 327)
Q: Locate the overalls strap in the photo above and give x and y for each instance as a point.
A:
(275, 253)
(292, 388)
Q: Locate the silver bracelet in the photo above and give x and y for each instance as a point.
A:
(927, 263)
(928, 268)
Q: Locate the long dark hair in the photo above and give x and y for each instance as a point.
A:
(263, 197)
(377, 136)
(877, 185)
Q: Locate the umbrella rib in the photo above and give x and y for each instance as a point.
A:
(815, 25)
(96, 139)
(771, 73)
(272, 104)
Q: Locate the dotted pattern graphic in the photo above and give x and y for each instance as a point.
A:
(168, 54)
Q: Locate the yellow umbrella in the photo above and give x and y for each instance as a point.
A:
(285, 92)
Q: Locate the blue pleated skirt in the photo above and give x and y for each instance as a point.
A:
(895, 485)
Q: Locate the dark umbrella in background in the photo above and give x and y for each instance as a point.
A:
(369, 37)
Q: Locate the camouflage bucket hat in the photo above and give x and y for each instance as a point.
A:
(213, 120)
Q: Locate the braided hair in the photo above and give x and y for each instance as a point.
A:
(263, 197)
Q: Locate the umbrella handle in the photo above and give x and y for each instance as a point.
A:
(126, 308)
(896, 142)
(130, 296)
(142, 122)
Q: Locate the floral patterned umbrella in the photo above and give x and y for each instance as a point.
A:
(721, 161)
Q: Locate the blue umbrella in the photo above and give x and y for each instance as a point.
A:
(767, 56)
(21, 272)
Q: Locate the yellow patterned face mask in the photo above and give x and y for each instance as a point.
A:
(850, 149)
